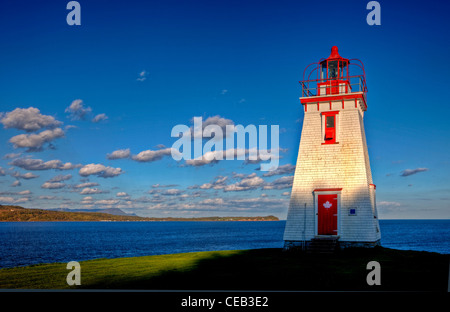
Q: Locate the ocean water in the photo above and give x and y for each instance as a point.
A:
(26, 243)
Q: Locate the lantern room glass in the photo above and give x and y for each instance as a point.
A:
(333, 70)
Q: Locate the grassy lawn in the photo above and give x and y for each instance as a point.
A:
(258, 269)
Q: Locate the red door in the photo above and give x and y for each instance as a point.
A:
(327, 210)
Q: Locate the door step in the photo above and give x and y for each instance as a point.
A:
(325, 245)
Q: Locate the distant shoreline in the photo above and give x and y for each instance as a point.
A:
(9, 213)
(181, 220)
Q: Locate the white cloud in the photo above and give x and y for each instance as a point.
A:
(257, 201)
(142, 76)
(285, 169)
(408, 172)
(26, 176)
(250, 156)
(70, 127)
(47, 197)
(210, 121)
(22, 200)
(274, 154)
(68, 166)
(77, 110)
(205, 186)
(100, 171)
(207, 158)
(121, 194)
(35, 141)
(87, 200)
(281, 183)
(146, 199)
(157, 185)
(25, 192)
(257, 204)
(86, 184)
(243, 175)
(60, 178)
(171, 192)
(12, 155)
(212, 201)
(119, 154)
(106, 202)
(214, 156)
(99, 118)
(5, 199)
(38, 164)
(219, 183)
(53, 185)
(218, 121)
(28, 119)
(16, 183)
(245, 184)
(149, 155)
(88, 190)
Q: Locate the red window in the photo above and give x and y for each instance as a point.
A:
(330, 127)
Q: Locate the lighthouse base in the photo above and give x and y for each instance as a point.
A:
(343, 245)
(312, 244)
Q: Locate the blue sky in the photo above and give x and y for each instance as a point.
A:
(142, 67)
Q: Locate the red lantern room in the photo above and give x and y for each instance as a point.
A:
(334, 79)
(334, 73)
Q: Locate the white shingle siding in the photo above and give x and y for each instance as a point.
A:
(344, 165)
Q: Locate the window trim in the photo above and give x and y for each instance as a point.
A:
(336, 126)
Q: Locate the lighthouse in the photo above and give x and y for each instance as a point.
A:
(333, 196)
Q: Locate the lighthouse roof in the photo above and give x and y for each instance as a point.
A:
(334, 56)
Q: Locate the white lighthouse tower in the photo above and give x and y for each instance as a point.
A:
(333, 195)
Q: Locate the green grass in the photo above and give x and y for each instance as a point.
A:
(258, 269)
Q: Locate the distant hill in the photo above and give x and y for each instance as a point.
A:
(113, 211)
(17, 213)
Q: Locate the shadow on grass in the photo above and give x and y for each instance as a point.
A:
(275, 269)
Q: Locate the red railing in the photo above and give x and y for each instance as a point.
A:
(334, 86)
(342, 84)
